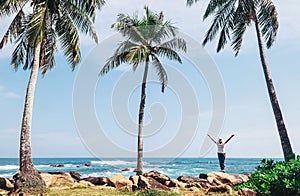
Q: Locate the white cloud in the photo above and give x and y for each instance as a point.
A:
(11, 95)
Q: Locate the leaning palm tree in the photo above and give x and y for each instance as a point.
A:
(231, 19)
(147, 39)
(36, 32)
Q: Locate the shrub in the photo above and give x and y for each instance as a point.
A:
(280, 178)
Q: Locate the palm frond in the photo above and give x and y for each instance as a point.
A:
(163, 31)
(15, 29)
(222, 20)
(191, 2)
(214, 5)
(48, 48)
(36, 23)
(88, 6)
(21, 53)
(268, 20)
(113, 62)
(137, 55)
(69, 38)
(161, 72)
(238, 34)
(174, 44)
(168, 53)
(82, 20)
(8, 7)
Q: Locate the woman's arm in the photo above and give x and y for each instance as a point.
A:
(229, 138)
(212, 138)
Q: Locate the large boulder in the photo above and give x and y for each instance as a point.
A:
(120, 181)
(190, 179)
(228, 178)
(99, 181)
(57, 179)
(162, 178)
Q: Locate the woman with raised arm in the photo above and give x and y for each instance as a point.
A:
(221, 150)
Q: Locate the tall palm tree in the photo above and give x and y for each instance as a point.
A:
(36, 33)
(231, 19)
(147, 39)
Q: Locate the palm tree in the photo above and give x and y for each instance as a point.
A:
(36, 33)
(146, 41)
(231, 18)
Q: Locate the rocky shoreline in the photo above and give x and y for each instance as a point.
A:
(213, 182)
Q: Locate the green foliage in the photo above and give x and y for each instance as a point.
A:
(280, 178)
(153, 192)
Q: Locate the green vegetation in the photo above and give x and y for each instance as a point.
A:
(280, 178)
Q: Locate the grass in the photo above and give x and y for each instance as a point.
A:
(91, 191)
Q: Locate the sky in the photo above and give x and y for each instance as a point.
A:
(78, 114)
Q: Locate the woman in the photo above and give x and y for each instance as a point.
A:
(221, 150)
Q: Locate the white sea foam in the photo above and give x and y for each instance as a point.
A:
(9, 167)
(113, 163)
(98, 174)
(7, 175)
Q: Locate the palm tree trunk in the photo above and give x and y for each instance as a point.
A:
(141, 119)
(28, 175)
(284, 138)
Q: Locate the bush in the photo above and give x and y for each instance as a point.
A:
(280, 178)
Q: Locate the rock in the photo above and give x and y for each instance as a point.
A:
(157, 185)
(120, 181)
(198, 185)
(171, 183)
(139, 182)
(57, 180)
(189, 179)
(83, 183)
(247, 192)
(5, 184)
(52, 165)
(134, 180)
(99, 181)
(87, 164)
(203, 176)
(224, 188)
(229, 178)
(60, 165)
(55, 172)
(125, 169)
(194, 189)
(162, 178)
(75, 175)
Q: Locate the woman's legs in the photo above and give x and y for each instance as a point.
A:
(221, 157)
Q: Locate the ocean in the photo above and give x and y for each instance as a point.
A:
(109, 167)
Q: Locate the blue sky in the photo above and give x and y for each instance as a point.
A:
(248, 112)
